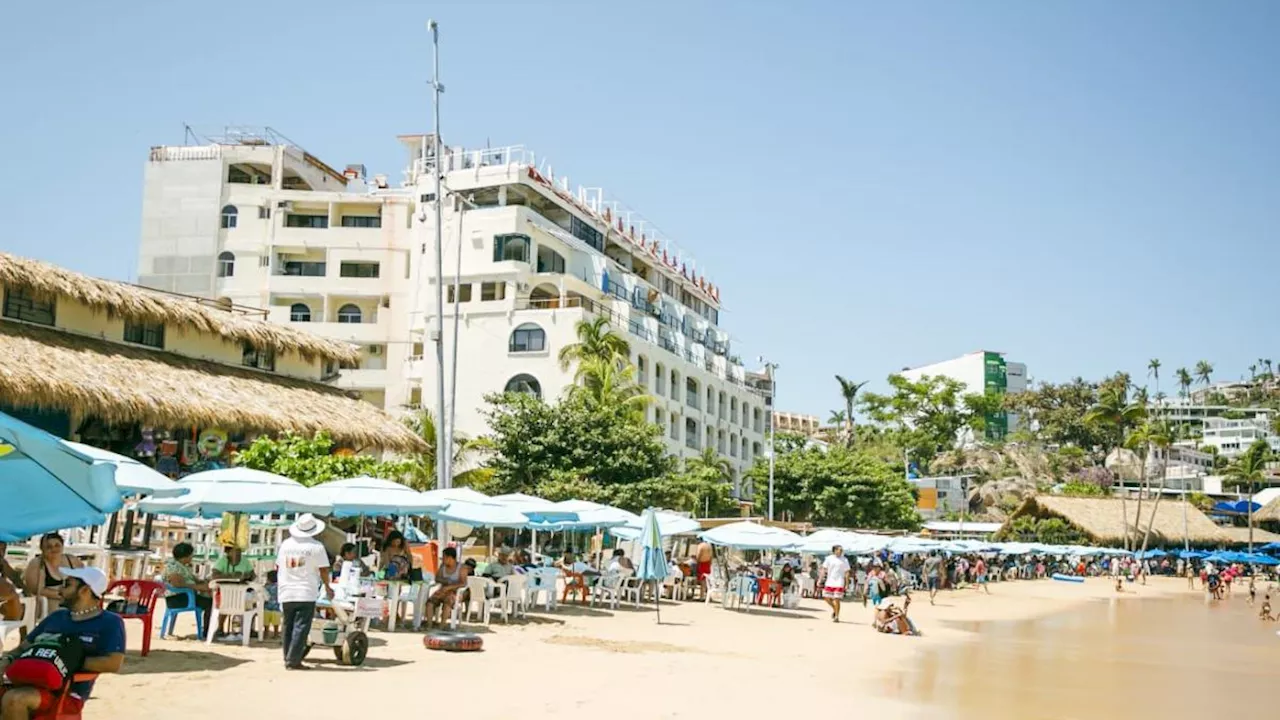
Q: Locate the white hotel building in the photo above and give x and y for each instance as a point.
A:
(253, 218)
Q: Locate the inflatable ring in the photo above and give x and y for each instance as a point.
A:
(452, 641)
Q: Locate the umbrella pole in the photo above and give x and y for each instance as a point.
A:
(657, 600)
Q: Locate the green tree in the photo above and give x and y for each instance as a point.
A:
(311, 461)
(849, 391)
(605, 382)
(928, 414)
(1159, 436)
(1059, 413)
(1203, 372)
(1153, 370)
(1247, 471)
(596, 341)
(840, 486)
(1184, 381)
(420, 468)
(1116, 416)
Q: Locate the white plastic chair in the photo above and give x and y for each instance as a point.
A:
(674, 586)
(716, 585)
(632, 588)
(28, 620)
(607, 588)
(476, 587)
(541, 581)
(422, 594)
(236, 600)
(517, 598)
(495, 599)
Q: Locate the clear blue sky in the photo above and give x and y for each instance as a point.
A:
(1083, 185)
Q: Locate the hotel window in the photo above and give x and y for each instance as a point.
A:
(229, 213)
(361, 221)
(527, 338)
(264, 212)
(359, 269)
(255, 358)
(299, 312)
(21, 304)
(586, 233)
(464, 293)
(149, 334)
(511, 247)
(525, 384)
(350, 314)
(226, 264)
(491, 291)
(306, 221)
(304, 269)
(550, 261)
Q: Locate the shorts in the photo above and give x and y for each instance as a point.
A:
(272, 618)
(704, 570)
(833, 593)
(982, 579)
(49, 702)
(932, 583)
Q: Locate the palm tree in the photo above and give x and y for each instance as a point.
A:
(607, 383)
(1153, 370)
(421, 472)
(1158, 435)
(714, 460)
(595, 340)
(1253, 372)
(1114, 411)
(1203, 371)
(1184, 381)
(837, 418)
(1266, 363)
(849, 390)
(1248, 470)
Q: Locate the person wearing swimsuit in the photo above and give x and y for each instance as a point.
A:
(453, 580)
(43, 576)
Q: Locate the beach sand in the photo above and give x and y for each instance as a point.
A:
(702, 661)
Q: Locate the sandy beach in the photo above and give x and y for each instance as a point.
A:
(701, 661)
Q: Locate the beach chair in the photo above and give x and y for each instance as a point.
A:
(171, 614)
(140, 602)
(517, 598)
(236, 600)
(541, 581)
(495, 599)
(631, 587)
(418, 596)
(475, 599)
(608, 589)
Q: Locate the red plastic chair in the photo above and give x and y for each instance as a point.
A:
(148, 593)
(60, 711)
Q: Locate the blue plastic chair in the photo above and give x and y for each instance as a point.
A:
(171, 614)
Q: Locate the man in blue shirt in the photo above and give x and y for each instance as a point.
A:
(101, 632)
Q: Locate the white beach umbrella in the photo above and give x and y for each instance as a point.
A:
(746, 535)
(372, 496)
(238, 490)
(132, 477)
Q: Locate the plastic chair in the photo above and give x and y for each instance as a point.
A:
(495, 598)
(609, 588)
(476, 587)
(423, 592)
(171, 614)
(140, 606)
(236, 600)
(60, 711)
(631, 587)
(541, 581)
(517, 598)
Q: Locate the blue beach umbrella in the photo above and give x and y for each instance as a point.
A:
(132, 477)
(48, 484)
(653, 562)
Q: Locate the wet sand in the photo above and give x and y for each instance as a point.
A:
(1029, 650)
(1175, 657)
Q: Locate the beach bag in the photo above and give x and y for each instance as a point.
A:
(48, 663)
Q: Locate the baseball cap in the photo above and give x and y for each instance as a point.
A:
(91, 576)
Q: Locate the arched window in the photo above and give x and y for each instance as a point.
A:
(226, 264)
(691, 392)
(659, 380)
(675, 385)
(642, 371)
(733, 445)
(229, 213)
(349, 314)
(526, 384)
(299, 312)
(745, 454)
(746, 416)
(527, 338)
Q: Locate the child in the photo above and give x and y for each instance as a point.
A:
(271, 610)
(1253, 592)
(1266, 609)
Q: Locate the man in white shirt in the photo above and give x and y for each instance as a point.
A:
(837, 574)
(302, 565)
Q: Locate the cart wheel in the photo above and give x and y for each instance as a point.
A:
(355, 649)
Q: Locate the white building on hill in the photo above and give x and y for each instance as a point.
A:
(981, 371)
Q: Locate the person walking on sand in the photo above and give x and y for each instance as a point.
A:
(836, 569)
(932, 571)
(980, 574)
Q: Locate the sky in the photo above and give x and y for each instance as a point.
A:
(1081, 185)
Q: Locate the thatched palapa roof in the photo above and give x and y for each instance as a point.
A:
(177, 312)
(1269, 512)
(1102, 519)
(1240, 535)
(46, 368)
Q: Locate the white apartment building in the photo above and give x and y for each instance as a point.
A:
(1233, 437)
(981, 371)
(797, 423)
(536, 258)
(251, 217)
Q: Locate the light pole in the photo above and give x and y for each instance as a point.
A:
(442, 477)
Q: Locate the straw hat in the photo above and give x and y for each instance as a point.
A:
(306, 526)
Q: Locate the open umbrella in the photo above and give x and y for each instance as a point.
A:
(653, 561)
(482, 514)
(238, 490)
(47, 485)
(366, 495)
(668, 524)
(746, 535)
(132, 477)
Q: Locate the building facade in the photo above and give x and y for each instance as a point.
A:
(251, 218)
(797, 423)
(982, 372)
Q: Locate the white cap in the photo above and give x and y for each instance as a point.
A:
(90, 576)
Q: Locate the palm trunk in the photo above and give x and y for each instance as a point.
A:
(1164, 479)
(849, 426)
(1137, 517)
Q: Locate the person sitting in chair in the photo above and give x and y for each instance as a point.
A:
(453, 581)
(179, 575)
(100, 631)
